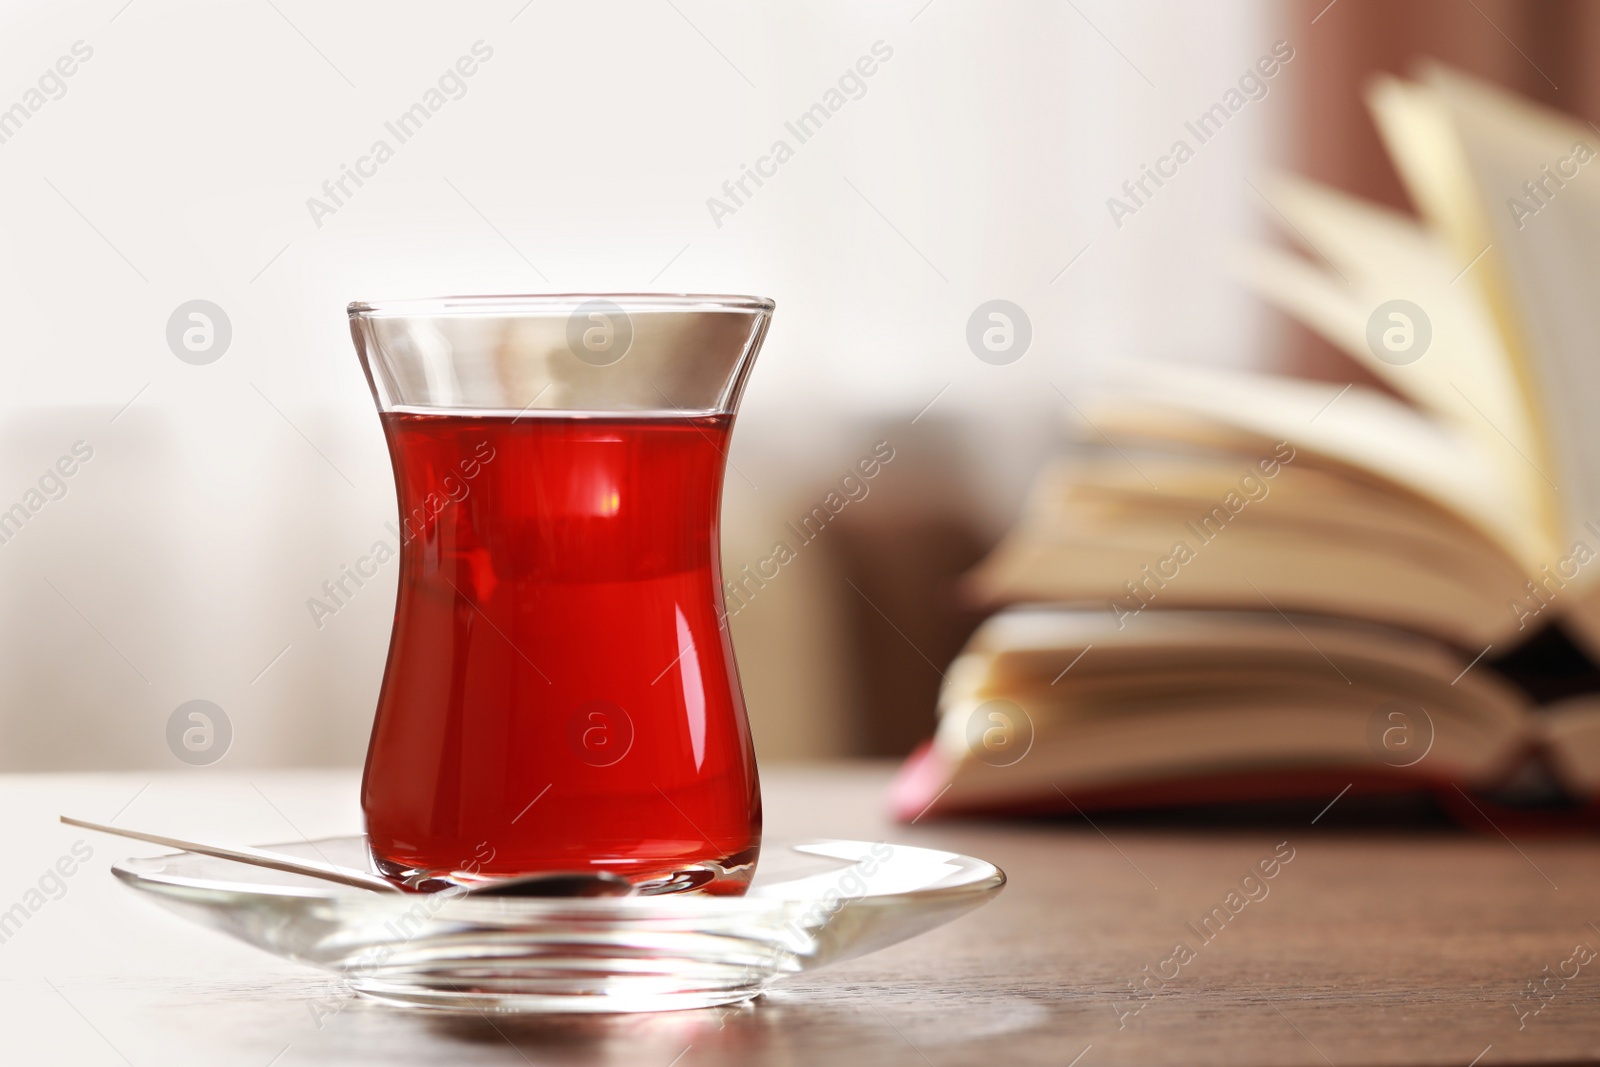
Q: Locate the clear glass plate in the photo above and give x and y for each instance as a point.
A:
(811, 904)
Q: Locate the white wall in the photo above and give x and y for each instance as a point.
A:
(178, 164)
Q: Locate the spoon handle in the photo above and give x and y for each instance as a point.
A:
(259, 857)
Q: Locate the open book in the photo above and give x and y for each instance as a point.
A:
(1256, 569)
(1049, 708)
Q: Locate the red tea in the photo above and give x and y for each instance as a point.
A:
(560, 693)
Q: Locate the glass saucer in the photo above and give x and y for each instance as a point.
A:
(810, 904)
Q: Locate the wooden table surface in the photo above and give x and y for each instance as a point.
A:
(1366, 947)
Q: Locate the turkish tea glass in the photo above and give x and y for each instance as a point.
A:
(560, 692)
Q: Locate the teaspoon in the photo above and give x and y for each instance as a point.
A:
(553, 884)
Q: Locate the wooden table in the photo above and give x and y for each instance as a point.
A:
(1367, 947)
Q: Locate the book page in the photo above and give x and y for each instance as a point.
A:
(1218, 534)
(1356, 427)
(1426, 151)
(1198, 693)
(1459, 369)
(1537, 175)
(1386, 277)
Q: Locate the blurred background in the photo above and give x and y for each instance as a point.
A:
(195, 153)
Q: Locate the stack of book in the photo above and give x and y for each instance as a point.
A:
(1268, 587)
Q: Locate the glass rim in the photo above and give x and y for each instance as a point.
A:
(517, 304)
